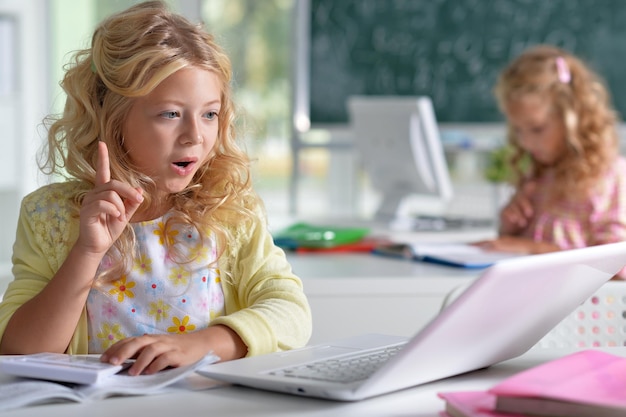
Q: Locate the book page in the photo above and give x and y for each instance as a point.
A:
(29, 392)
(464, 255)
(124, 384)
(458, 249)
(21, 392)
(459, 253)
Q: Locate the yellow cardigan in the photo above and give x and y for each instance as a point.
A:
(265, 303)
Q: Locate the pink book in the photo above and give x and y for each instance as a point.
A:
(471, 404)
(588, 382)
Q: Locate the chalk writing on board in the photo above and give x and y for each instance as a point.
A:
(450, 50)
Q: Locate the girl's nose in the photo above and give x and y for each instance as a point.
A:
(191, 134)
(525, 140)
(191, 140)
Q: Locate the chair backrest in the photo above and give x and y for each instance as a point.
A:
(598, 322)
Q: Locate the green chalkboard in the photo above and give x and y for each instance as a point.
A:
(451, 50)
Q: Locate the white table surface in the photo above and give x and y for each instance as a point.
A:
(355, 293)
(235, 401)
(382, 273)
(343, 270)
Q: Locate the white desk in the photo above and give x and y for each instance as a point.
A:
(241, 402)
(353, 294)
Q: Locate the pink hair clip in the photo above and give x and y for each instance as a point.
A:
(562, 70)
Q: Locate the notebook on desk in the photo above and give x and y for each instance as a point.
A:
(458, 255)
(501, 315)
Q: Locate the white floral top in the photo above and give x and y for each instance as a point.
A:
(158, 296)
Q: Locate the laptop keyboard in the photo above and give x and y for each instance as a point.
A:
(345, 369)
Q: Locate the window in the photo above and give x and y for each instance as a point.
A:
(257, 37)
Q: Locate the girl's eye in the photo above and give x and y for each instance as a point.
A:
(535, 131)
(538, 130)
(170, 114)
(212, 115)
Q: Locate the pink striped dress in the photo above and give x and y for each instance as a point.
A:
(597, 219)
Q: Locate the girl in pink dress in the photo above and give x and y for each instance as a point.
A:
(571, 181)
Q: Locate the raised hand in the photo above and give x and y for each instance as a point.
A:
(106, 209)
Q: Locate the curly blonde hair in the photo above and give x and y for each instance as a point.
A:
(582, 101)
(131, 53)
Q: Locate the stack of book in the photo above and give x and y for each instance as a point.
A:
(588, 383)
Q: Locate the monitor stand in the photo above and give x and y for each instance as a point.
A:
(390, 215)
(389, 207)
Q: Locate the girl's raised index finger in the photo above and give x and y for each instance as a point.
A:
(103, 170)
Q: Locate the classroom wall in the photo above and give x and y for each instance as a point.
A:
(23, 103)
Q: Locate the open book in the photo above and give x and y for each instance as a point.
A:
(20, 392)
(461, 255)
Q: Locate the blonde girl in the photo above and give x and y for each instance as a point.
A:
(155, 246)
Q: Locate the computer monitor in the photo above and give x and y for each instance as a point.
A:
(398, 142)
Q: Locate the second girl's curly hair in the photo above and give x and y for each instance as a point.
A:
(130, 54)
(580, 98)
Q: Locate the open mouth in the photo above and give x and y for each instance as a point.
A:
(182, 164)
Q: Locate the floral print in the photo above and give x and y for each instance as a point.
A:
(158, 296)
(163, 235)
(122, 289)
(181, 326)
(159, 310)
(143, 264)
(109, 334)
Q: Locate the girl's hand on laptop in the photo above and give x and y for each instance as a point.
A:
(516, 244)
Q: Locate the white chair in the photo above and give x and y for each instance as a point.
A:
(598, 322)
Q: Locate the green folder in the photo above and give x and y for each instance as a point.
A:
(304, 235)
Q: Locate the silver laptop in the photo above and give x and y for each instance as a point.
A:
(501, 315)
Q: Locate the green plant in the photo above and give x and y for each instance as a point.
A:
(498, 168)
